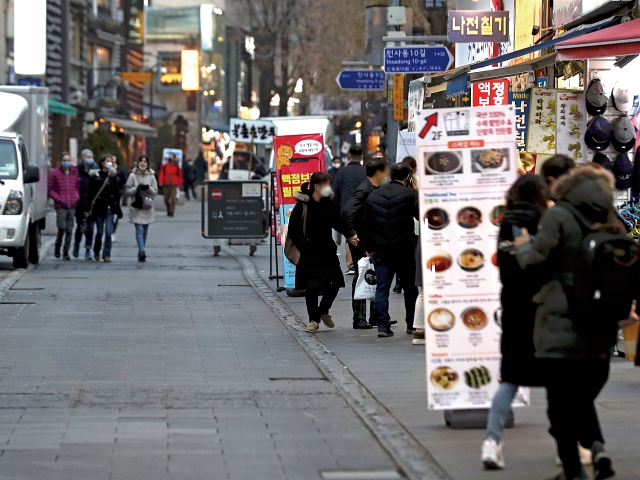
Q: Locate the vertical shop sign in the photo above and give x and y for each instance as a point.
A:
(490, 93)
(296, 158)
(520, 102)
(571, 125)
(541, 137)
(398, 96)
(466, 163)
(415, 101)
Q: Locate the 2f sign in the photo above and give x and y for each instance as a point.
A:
(431, 121)
(308, 147)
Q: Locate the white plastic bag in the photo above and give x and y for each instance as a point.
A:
(366, 284)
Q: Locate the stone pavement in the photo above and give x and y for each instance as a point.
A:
(170, 369)
(393, 370)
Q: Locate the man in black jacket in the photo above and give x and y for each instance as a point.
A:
(347, 179)
(353, 216)
(390, 239)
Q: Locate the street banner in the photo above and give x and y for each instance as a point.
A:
(262, 131)
(571, 125)
(542, 122)
(297, 157)
(466, 26)
(466, 163)
(490, 92)
(521, 102)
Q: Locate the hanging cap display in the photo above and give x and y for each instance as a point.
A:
(599, 132)
(601, 159)
(621, 99)
(622, 170)
(624, 134)
(596, 98)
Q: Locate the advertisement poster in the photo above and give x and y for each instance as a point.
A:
(466, 164)
(521, 102)
(571, 125)
(490, 92)
(406, 146)
(542, 122)
(296, 158)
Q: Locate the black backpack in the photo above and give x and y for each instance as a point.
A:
(606, 276)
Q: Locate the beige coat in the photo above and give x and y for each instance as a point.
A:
(138, 177)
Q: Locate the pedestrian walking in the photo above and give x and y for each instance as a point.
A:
(201, 167)
(121, 180)
(142, 188)
(347, 179)
(103, 207)
(170, 179)
(318, 270)
(353, 216)
(575, 347)
(333, 171)
(554, 168)
(526, 202)
(84, 167)
(190, 178)
(64, 189)
(389, 236)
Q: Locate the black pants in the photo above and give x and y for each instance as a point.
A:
(359, 306)
(79, 234)
(311, 298)
(572, 387)
(190, 187)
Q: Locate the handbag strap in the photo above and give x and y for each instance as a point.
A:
(93, 202)
(304, 220)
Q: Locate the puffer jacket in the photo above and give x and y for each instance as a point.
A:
(353, 213)
(64, 188)
(139, 177)
(551, 258)
(170, 175)
(388, 218)
(85, 180)
(346, 181)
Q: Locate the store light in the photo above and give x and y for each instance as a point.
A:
(358, 124)
(212, 92)
(30, 37)
(190, 60)
(206, 94)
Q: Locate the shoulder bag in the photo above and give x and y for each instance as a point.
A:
(290, 250)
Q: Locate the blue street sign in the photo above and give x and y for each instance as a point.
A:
(417, 59)
(361, 79)
(542, 82)
(29, 82)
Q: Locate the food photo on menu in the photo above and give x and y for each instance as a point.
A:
(488, 161)
(443, 163)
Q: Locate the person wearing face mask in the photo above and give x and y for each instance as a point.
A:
(170, 179)
(103, 192)
(64, 189)
(142, 180)
(353, 216)
(84, 167)
(389, 236)
(333, 171)
(318, 270)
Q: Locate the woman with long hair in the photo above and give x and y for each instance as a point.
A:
(142, 188)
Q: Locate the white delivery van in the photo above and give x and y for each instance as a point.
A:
(23, 171)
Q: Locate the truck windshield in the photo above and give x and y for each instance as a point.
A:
(8, 160)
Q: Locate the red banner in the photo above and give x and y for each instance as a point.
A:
(490, 93)
(296, 158)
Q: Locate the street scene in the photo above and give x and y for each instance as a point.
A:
(296, 239)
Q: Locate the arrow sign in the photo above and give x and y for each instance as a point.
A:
(417, 59)
(432, 121)
(361, 79)
(374, 104)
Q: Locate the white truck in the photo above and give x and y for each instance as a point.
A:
(24, 119)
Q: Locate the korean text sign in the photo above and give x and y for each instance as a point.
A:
(466, 163)
(521, 102)
(297, 157)
(490, 93)
(261, 131)
(467, 26)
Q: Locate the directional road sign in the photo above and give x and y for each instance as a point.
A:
(361, 79)
(374, 104)
(417, 59)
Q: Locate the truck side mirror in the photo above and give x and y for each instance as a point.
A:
(32, 175)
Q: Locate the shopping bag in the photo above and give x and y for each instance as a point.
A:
(179, 197)
(630, 335)
(366, 284)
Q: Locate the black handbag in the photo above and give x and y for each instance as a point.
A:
(142, 201)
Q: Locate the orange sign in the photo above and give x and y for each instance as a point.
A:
(137, 77)
(398, 96)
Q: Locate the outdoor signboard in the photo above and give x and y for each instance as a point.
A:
(542, 122)
(521, 102)
(361, 79)
(565, 11)
(467, 26)
(406, 146)
(415, 101)
(466, 163)
(262, 131)
(490, 93)
(297, 157)
(398, 96)
(527, 15)
(234, 209)
(417, 59)
(176, 151)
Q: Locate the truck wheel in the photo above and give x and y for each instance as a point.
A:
(34, 243)
(21, 254)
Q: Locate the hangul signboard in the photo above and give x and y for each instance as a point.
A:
(490, 92)
(571, 125)
(261, 131)
(235, 209)
(297, 157)
(466, 26)
(467, 160)
(398, 96)
(521, 102)
(541, 137)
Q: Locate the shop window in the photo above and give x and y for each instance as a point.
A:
(429, 4)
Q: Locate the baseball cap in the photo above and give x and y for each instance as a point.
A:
(621, 99)
(601, 159)
(596, 99)
(622, 170)
(599, 133)
(624, 134)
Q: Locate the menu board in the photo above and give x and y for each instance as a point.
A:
(571, 125)
(467, 162)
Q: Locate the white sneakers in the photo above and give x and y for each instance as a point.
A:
(492, 457)
(312, 327)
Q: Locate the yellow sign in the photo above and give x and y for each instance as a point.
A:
(190, 69)
(527, 15)
(398, 96)
(137, 77)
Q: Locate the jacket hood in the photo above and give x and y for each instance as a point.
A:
(589, 189)
(148, 171)
(523, 214)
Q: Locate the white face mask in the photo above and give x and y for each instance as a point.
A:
(142, 168)
(337, 165)
(109, 164)
(326, 191)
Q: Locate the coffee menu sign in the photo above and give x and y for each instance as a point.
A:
(467, 162)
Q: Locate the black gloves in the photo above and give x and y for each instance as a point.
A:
(144, 187)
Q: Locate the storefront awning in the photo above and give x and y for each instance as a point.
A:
(616, 41)
(131, 127)
(524, 67)
(60, 108)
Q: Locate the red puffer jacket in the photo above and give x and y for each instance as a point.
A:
(64, 188)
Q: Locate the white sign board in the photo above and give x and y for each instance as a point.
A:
(466, 163)
(262, 131)
(168, 151)
(406, 145)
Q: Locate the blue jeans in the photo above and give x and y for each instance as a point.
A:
(500, 409)
(103, 226)
(402, 263)
(141, 236)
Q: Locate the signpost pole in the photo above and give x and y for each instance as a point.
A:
(392, 124)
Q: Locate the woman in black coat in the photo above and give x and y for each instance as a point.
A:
(319, 267)
(526, 201)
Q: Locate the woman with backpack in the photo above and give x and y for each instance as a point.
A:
(573, 343)
(318, 269)
(142, 188)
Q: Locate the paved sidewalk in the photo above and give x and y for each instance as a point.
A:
(170, 369)
(394, 371)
